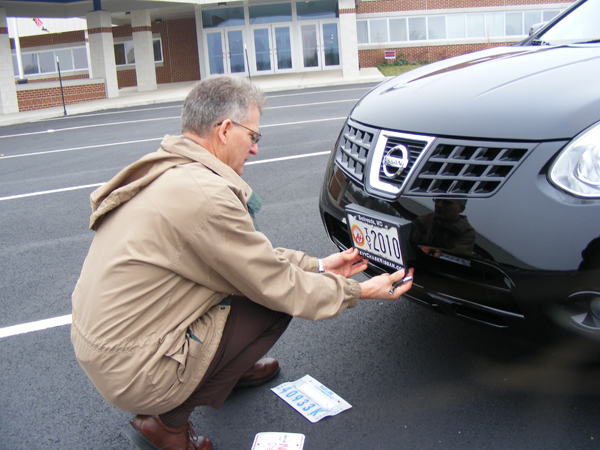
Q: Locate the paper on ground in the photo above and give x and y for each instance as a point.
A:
(311, 399)
(278, 441)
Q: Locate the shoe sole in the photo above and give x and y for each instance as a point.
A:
(255, 383)
(137, 438)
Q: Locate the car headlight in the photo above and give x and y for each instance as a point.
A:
(577, 168)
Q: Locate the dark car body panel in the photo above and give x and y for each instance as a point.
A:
(510, 78)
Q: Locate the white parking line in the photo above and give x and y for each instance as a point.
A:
(315, 104)
(87, 147)
(52, 191)
(46, 152)
(35, 326)
(110, 113)
(85, 186)
(367, 88)
(52, 130)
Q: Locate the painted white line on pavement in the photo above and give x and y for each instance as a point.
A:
(35, 326)
(87, 147)
(22, 155)
(303, 122)
(85, 186)
(53, 191)
(120, 111)
(321, 92)
(315, 104)
(287, 158)
(90, 126)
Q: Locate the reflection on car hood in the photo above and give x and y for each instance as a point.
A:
(521, 93)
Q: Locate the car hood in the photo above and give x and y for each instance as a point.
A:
(517, 93)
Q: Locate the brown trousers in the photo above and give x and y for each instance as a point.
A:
(250, 332)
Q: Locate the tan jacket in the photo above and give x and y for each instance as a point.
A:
(173, 239)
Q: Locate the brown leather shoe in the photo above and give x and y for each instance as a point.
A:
(260, 373)
(150, 433)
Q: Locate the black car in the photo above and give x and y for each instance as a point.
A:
(483, 173)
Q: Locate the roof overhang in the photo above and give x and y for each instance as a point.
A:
(79, 8)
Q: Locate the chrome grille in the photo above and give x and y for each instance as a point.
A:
(353, 149)
(466, 168)
(437, 166)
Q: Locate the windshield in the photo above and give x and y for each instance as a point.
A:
(580, 26)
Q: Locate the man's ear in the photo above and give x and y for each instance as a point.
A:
(223, 131)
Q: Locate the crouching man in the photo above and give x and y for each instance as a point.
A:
(180, 296)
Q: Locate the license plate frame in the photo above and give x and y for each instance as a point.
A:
(381, 238)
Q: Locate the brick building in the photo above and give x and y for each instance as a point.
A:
(120, 45)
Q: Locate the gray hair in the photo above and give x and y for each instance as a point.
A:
(217, 98)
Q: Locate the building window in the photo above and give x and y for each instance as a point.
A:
(43, 62)
(270, 13)
(494, 23)
(125, 55)
(30, 63)
(156, 44)
(80, 60)
(456, 27)
(417, 29)
(378, 30)
(398, 30)
(514, 24)
(362, 31)
(315, 10)
(223, 17)
(436, 27)
(451, 26)
(475, 25)
(549, 15)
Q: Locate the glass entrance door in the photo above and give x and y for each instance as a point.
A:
(310, 46)
(272, 49)
(330, 46)
(226, 51)
(320, 45)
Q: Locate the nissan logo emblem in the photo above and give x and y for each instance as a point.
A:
(395, 161)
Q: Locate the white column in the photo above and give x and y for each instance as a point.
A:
(204, 72)
(349, 39)
(17, 42)
(8, 90)
(88, 53)
(102, 50)
(143, 50)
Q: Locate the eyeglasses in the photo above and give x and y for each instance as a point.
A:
(255, 134)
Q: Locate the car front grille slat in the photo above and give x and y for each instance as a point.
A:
(458, 169)
(354, 146)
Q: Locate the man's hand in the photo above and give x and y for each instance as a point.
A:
(347, 263)
(379, 287)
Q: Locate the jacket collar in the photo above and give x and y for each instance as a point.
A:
(175, 151)
(189, 149)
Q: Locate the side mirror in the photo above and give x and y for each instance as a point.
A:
(536, 26)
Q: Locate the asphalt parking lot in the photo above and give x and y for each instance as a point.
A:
(415, 380)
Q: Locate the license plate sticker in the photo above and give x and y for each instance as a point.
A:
(376, 239)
